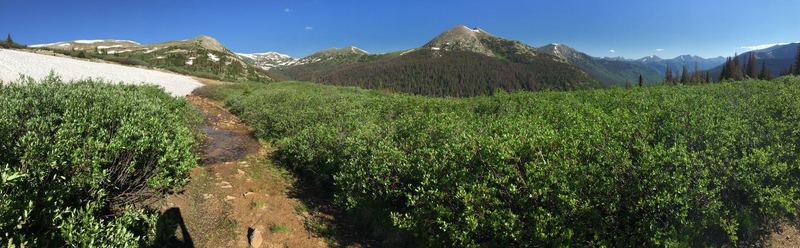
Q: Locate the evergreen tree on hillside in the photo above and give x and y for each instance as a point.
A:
(9, 40)
(641, 81)
(787, 71)
(797, 62)
(736, 70)
(685, 75)
(765, 73)
(696, 78)
(750, 69)
(726, 69)
(668, 75)
(708, 77)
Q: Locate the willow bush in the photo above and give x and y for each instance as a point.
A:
(77, 157)
(656, 166)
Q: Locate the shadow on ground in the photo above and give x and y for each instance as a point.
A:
(168, 227)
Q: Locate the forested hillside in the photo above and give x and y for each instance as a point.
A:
(459, 62)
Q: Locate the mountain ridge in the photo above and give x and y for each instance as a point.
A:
(461, 61)
(201, 56)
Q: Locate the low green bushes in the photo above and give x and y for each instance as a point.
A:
(77, 157)
(655, 166)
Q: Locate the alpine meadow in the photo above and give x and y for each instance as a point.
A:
(452, 124)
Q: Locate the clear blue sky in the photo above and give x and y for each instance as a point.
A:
(632, 28)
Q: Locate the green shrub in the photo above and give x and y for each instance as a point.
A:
(655, 166)
(78, 156)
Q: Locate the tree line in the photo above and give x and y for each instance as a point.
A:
(686, 77)
(733, 69)
(9, 43)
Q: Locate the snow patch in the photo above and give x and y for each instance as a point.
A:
(152, 50)
(213, 57)
(107, 47)
(128, 41)
(87, 41)
(13, 63)
(244, 55)
(356, 49)
(435, 48)
(50, 44)
(410, 50)
(118, 51)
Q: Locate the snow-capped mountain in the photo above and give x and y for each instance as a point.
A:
(199, 56)
(678, 62)
(269, 60)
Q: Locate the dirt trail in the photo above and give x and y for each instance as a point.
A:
(236, 188)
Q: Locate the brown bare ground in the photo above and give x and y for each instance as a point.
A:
(236, 188)
(788, 236)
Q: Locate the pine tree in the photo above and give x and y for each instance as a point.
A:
(9, 41)
(685, 75)
(668, 75)
(696, 74)
(641, 81)
(751, 66)
(765, 73)
(797, 62)
(788, 71)
(726, 72)
(708, 78)
(736, 70)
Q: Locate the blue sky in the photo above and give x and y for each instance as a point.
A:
(630, 28)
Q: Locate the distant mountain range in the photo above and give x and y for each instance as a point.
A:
(269, 60)
(777, 58)
(459, 62)
(677, 63)
(202, 56)
(608, 71)
(338, 65)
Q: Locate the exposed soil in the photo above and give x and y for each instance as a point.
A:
(235, 189)
(787, 236)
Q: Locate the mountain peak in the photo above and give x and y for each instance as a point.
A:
(210, 43)
(268, 60)
(336, 52)
(561, 51)
(462, 29)
(461, 38)
(356, 50)
(651, 58)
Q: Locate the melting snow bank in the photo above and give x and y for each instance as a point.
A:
(15, 63)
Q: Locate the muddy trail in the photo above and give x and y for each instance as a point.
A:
(236, 197)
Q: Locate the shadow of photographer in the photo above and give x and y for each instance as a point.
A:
(167, 227)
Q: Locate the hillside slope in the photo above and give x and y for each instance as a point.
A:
(608, 72)
(459, 62)
(201, 56)
(677, 63)
(777, 58)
